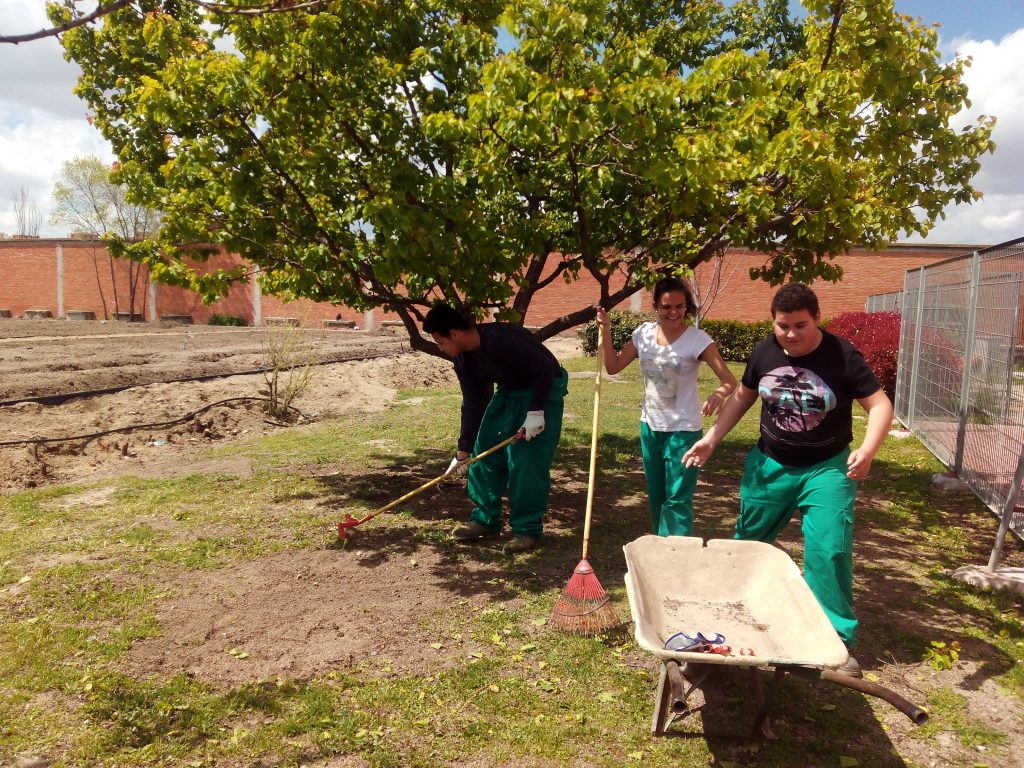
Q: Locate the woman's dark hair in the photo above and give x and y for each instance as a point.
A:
(670, 285)
(442, 320)
(792, 297)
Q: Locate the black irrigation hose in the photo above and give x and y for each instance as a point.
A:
(134, 427)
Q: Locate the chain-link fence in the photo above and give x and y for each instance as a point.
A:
(884, 302)
(958, 386)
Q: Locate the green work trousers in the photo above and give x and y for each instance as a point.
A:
(670, 485)
(522, 468)
(769, 495)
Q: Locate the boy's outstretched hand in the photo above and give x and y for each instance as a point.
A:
(698, 454)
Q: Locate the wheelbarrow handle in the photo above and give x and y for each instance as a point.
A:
(351, 522)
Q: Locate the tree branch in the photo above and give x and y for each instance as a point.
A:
(225, 9)
(101, 10)
(837, 14)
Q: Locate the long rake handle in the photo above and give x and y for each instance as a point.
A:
(438, 479)
(593, 442)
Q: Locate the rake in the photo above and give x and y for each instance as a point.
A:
(584, 608)
(346, 525)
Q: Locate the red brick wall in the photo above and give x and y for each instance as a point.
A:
(90, 284)
(177, 301)
(29, 281)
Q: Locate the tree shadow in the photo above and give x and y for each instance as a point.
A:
(900, 613)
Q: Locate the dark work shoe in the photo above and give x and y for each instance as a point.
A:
(519, 543)
(470, 531)
(851, 668)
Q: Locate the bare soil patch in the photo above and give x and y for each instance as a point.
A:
(302, 613)
(145, 361)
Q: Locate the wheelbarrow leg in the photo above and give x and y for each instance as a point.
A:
(673, 694)
(662, 710)
(762, 723)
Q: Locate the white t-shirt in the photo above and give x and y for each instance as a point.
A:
(671, 400)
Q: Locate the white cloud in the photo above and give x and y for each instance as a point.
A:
(42, 123)
(995, 82)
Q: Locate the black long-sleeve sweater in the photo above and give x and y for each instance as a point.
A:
(510, 356)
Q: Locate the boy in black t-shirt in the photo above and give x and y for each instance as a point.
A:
(807, 380)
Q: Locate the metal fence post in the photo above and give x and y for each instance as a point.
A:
(915, 363)
(1008, 509)
(1011, 353)
(965, 380)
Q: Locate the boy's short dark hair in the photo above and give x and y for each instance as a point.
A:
(442, 320)
(670, 284)
(792, 297)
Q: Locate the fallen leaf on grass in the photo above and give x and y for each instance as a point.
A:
(848, 762)
(437, 646)
(539, 622)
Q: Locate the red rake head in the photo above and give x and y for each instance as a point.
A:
(344, 525)
(584, 608)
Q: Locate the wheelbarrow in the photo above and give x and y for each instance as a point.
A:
(731, 603)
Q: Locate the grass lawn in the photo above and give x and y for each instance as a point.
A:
(477, 676)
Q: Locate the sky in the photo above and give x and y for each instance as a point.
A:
(43, 124)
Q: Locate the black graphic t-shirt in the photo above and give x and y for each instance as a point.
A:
(807, 401)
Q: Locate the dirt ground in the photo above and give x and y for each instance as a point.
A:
(289, 612)
(46, 358)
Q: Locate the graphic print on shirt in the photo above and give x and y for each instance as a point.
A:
(797, 399)
(661, 382)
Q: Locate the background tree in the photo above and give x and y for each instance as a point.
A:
(26, 214)
(389, 154)
(87, 201)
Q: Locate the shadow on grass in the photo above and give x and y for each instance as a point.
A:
(813, 723)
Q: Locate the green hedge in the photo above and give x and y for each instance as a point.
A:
(216, 319)
(735, 339)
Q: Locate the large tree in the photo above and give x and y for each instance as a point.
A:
(88, 201)
(390, 153)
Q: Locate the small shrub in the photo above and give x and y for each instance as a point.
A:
(877, 336)
(735, 338)
(290, 357)
(942, 655)
(216, 319)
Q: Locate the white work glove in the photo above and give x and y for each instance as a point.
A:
(533, 425)
(458, 467)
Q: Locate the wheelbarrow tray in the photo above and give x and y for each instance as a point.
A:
(750, 592)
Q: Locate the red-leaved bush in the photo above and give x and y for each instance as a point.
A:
(877, 336)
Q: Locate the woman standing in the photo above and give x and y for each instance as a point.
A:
(670, 353)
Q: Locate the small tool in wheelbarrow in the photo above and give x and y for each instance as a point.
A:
(346, 525)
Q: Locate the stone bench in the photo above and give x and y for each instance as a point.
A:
(5, 313)
(37, 314)
(176, 319)
(79, 314)
(292, 321)
(128, 317)
(339, 323)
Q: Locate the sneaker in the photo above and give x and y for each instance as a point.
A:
(519, 543)
(850, 668)
(470, 531)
